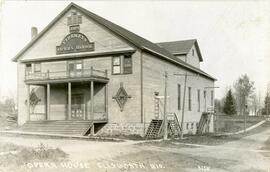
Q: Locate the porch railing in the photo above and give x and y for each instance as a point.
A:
(66, 74)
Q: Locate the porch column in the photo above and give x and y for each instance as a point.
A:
(28, 103)
(92, 100)
(48, 101)
(92, 105)
(106, 101)
(69, 101)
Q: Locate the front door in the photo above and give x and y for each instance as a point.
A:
(77, 107)
(75, 69)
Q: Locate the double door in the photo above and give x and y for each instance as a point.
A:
(77, 107)
(75, 69)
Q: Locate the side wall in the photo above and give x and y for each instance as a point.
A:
(153, 81)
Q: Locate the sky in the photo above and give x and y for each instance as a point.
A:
(233, 36)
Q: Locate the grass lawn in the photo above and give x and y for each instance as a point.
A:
(172, 161)
(14, 157)
(212, 139)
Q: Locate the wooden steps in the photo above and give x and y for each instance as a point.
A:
(154, 129)
(203, 126)
(67, 127)
(174, 128)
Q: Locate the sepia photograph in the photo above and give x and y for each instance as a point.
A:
(113, 85)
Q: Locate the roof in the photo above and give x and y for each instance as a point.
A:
(181, 47)
(136, 40)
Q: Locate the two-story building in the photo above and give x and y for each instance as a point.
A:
(83, 71)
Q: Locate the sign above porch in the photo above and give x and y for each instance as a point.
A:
(75, 41)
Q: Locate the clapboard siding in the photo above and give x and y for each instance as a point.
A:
(153, 81)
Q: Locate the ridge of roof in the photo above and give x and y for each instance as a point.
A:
(138, 41)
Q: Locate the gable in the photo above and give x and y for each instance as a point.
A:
(97, 36)
(193, 57)
(181, 48)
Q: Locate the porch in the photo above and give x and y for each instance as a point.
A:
(62, 96)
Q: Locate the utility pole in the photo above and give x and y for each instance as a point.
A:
(165, 136)
(183, 111)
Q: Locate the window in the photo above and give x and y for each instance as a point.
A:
(79, 66)
(192, 52)
(212, 98)
(191, 127)
(127, 67)
(199, 100)
(204, 97)
(187, 125)
(116, 65)
(179, 96)
(189, 98)
(37, 67)
(28, 68)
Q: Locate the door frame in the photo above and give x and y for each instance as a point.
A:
(83, 105)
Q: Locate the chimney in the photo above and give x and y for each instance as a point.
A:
(34, 32)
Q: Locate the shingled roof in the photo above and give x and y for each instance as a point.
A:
(181, 47)
(136, 40)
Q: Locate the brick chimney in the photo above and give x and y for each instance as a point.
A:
(34, 32)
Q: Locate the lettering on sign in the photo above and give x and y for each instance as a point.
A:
(74, 43)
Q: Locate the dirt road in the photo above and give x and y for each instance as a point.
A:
(241, 155)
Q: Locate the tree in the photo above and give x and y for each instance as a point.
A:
(266, 109)
(34, 100)
(243, 89)
(229, 104)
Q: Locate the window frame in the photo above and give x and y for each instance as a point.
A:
(199, 100)
(28, 68)
(189, 99)
(119, 65)
(179, 96)
(37, 71)
(124, 63)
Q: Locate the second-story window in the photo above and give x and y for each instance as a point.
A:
(122, 64)
(28, 68)
(127, 65)
(116, 65)
(37, 67)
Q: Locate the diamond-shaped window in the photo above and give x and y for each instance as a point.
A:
(121, 97)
